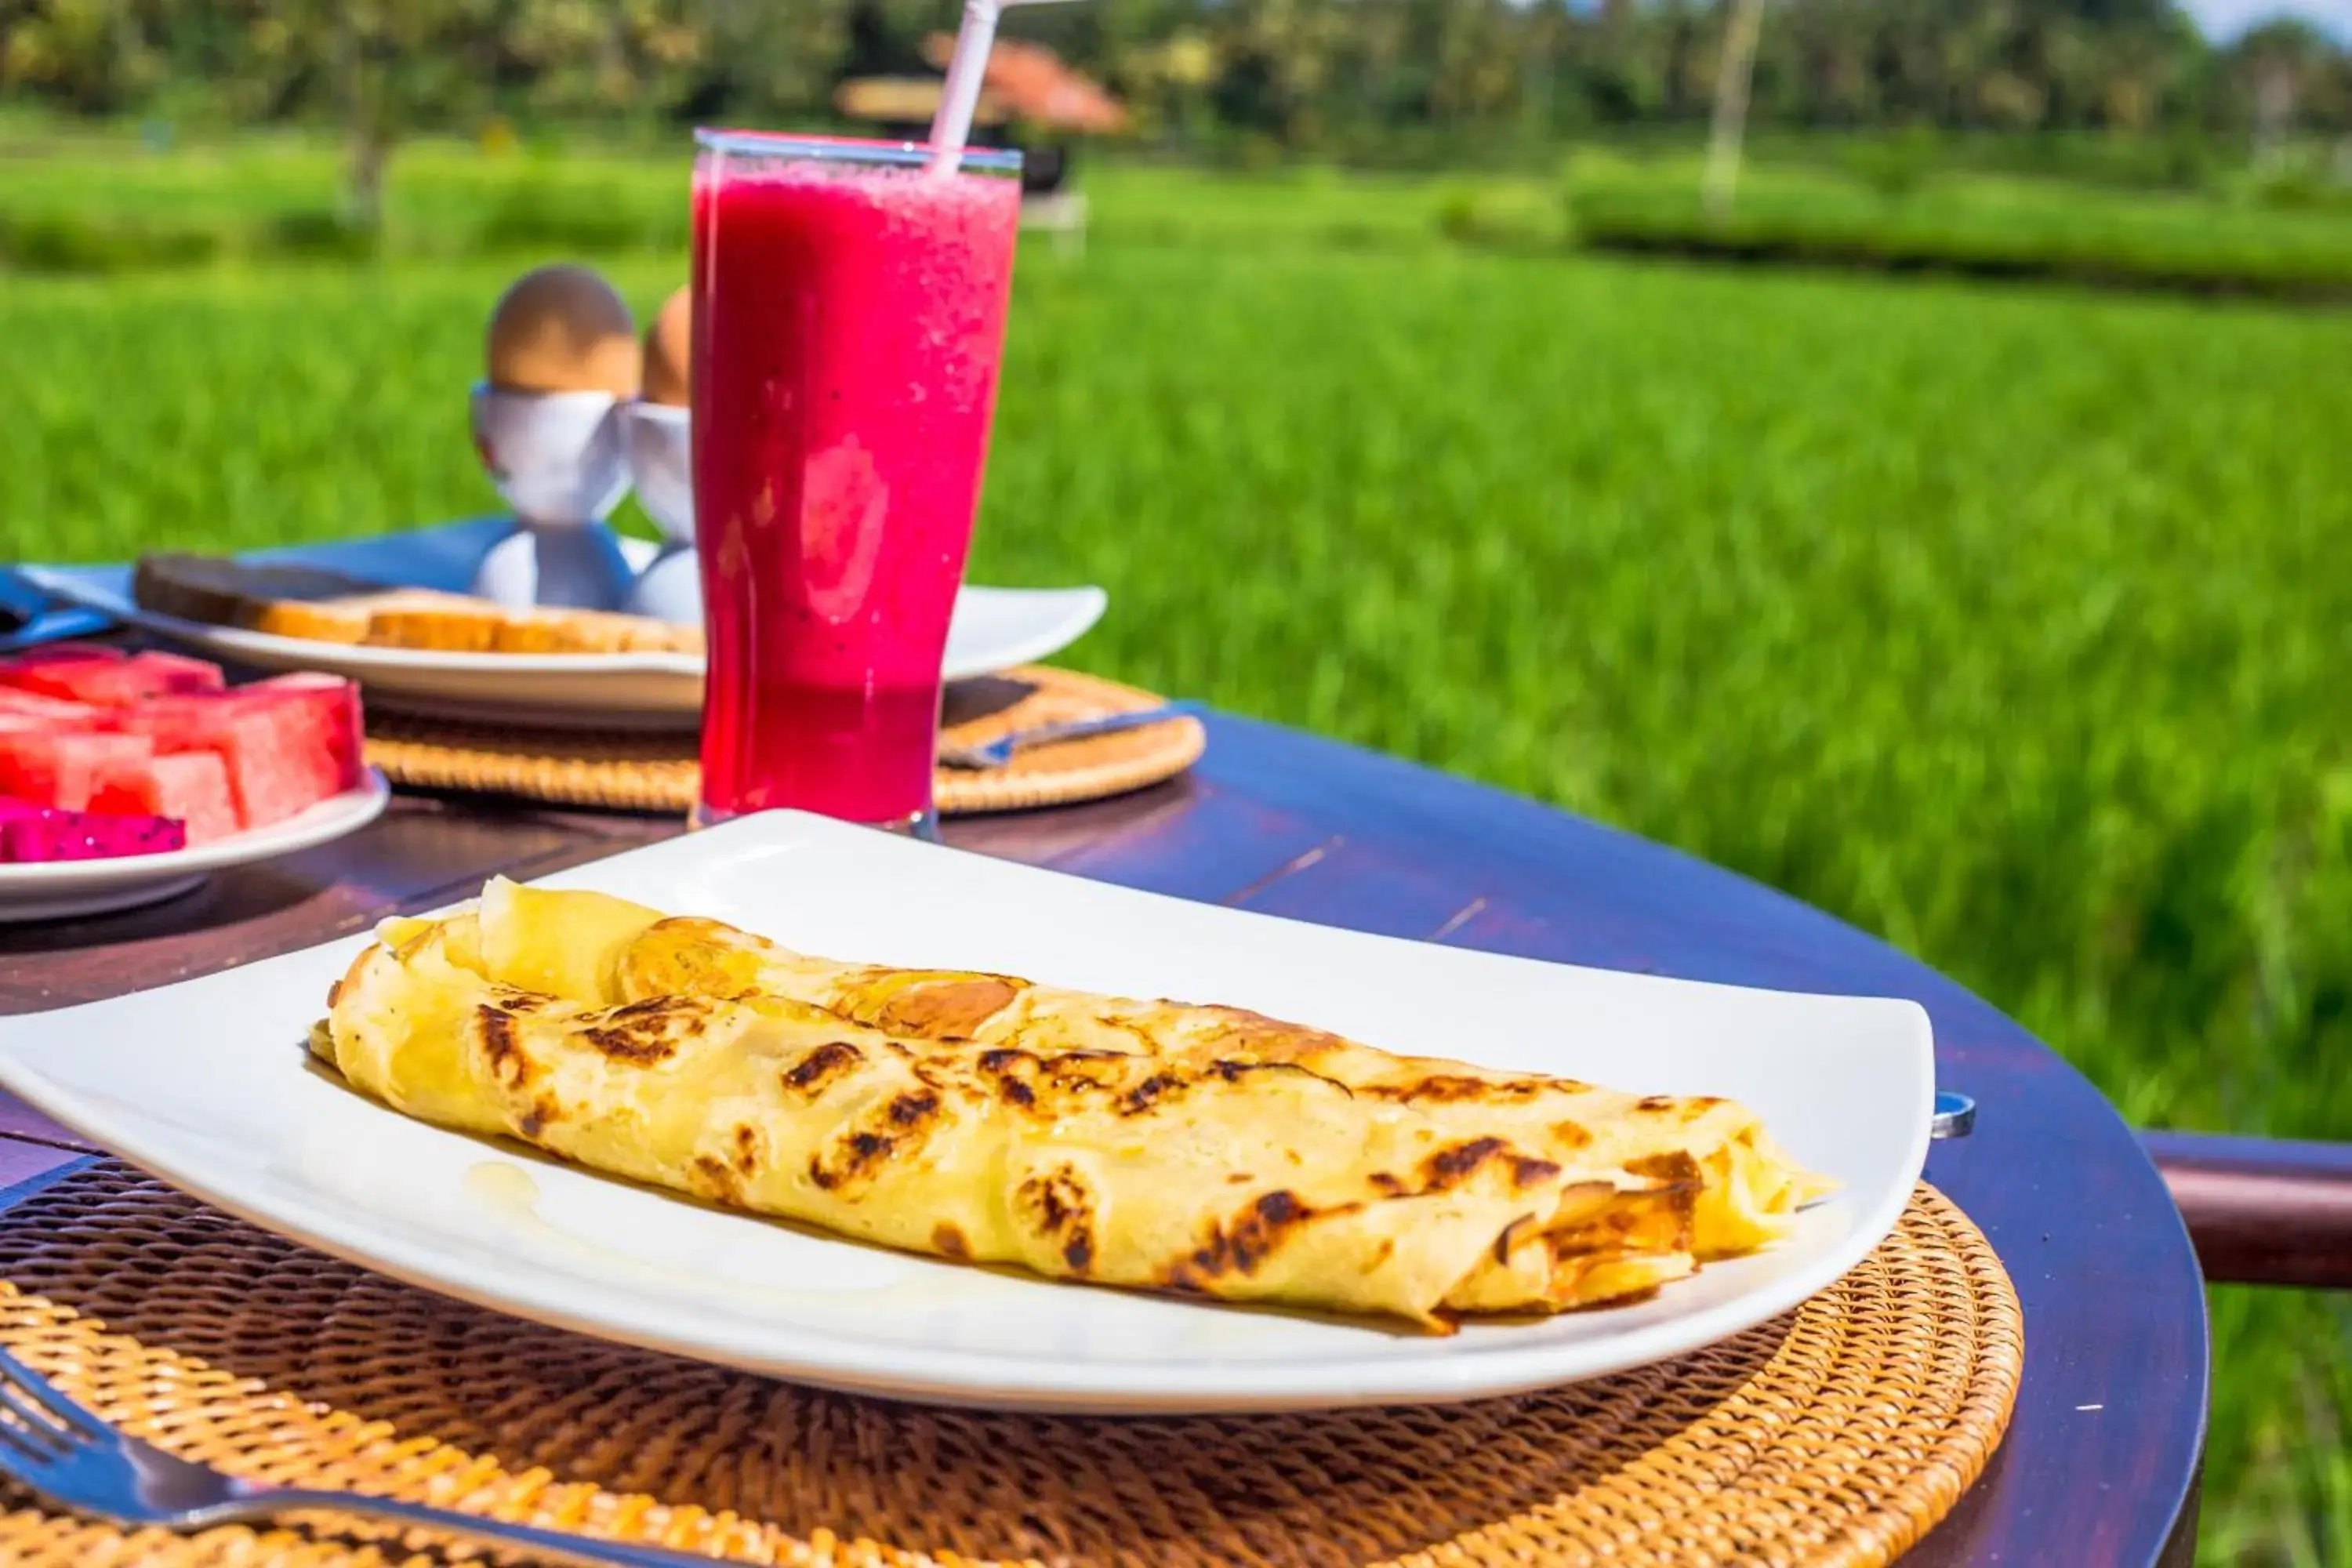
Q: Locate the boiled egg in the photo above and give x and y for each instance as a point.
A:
(669, 351)
(563, 329)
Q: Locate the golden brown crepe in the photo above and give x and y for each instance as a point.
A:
(1152, 1144)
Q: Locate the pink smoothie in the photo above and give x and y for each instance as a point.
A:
(847, 323)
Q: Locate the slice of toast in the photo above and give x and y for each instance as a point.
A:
(288, 601)
(592, 631)
(424, 618)
(324, 606)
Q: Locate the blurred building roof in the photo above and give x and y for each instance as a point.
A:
(1030, 82)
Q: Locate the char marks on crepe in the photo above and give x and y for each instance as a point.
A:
(1214, 1152)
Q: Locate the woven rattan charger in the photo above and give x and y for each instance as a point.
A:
(1831, 1437)
(635, 772)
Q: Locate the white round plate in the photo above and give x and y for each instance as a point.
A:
(994, 629)
(205, 1083)
(56, 890)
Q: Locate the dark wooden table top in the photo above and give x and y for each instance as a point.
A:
(2101, 1464)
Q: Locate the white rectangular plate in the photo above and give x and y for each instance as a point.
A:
(53, 890)
(205, 1083)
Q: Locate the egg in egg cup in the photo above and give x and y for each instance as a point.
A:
(657, 433)
(563, 355)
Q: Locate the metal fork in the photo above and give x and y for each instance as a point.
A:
(76, 1461)
(997, 752)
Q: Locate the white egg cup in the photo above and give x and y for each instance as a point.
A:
(556, 457)
(659, 440)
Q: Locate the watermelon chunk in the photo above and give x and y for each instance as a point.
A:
(114, 683)
(328, 707)
(179, 672)
(63, 769)
(30, 833)
(49, 712)
(190, 787)
(276, 763)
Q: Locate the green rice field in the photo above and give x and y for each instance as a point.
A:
(2012, 623)
(1901, 218)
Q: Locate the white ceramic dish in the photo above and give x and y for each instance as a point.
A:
(206, 1084)
(56, 890)
(994, 629)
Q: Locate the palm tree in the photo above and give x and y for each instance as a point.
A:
(2279, 57)
(1735, 73)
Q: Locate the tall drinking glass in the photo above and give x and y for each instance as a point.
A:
(848, 318)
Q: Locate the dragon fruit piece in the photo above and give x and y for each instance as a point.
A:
(31, 833)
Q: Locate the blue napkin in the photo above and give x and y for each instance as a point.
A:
(31, 616)
(443, 556)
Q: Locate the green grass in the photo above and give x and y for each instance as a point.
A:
(2010, 625)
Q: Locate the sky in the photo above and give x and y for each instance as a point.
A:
(2228, 18)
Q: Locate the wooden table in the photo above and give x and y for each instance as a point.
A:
(2102, 1463)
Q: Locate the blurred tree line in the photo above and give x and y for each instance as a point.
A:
(1362, 81)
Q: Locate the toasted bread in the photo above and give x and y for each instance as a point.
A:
(648, 635)
(289, 601)
(322, 606)
(561, 631)
(423, 619)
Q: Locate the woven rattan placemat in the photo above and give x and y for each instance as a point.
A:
(1833, 1436)
(657, 772)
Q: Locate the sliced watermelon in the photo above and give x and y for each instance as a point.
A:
(191, 786)
(276, 763)
(63, 769)
(49, 712)
(30, 833)
(179, 672)
(330, 709)
(115, 683)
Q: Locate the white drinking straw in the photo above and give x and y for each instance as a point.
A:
(967, 70)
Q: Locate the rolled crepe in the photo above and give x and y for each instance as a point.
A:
(1152, 1145)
